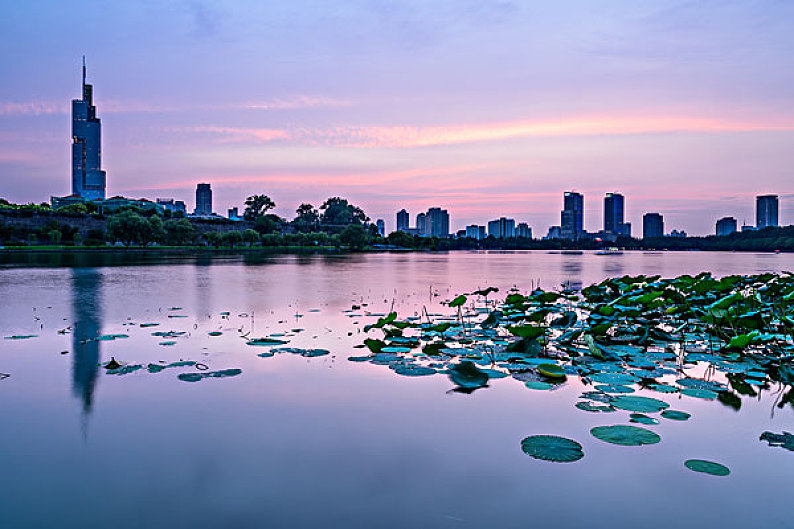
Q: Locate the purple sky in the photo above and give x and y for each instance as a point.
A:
(487, 108)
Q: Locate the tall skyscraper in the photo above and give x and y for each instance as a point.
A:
(437, 223)
(475, 232)
(766, 209)
(613, 213)
(420, 224)
(203, 200)
(572, 216)
(652, 226)
(88, 178)
(502, 228)
(402, 220)
(726, 226)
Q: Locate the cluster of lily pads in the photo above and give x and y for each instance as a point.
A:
(696, 336)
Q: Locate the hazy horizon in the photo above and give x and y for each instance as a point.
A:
(485, 108)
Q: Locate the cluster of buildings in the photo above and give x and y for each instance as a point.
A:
(89, 183)
(766, 215)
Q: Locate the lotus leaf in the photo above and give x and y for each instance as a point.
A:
(552, 448)
(707, 467)
(625, 435)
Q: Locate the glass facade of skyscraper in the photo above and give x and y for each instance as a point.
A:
(88, 179)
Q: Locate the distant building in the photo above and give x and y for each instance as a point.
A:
(402, 220)
(572, 215)
(437, 223)
(381, 227)
(677, 233)
(233, 214)
(88, 179)
(420, 224)
(502, 228)
(203, 200)
(555, 232)
(474, 231)
(766, 211)
(726, 226)
(523, 230)
(169, 204)
(652, 226)
(747, 227)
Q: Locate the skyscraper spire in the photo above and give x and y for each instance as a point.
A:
(83, 73)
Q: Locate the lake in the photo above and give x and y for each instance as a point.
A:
(301, 441)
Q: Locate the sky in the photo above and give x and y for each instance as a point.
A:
(486, 108)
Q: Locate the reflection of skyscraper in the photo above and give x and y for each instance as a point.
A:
(86, 324)
(88, 178)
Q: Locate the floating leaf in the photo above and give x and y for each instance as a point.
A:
(552, 448)
(537, 384)
(21, 336)
(675, 415)
(783, 440)
(642, 419)
(699, 393)
(266, 341)
(639, 404)
(195, 377)
(214, 333)
(707, 467)
(625, 435)
(551, 371)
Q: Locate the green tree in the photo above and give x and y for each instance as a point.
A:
(250, 237)
(156, 231)
(308, 217)
(338, 211)
(232, 238)
(257, 206)
(73, 209)
(128, 227)
(55, 237)
(355, 236)
(401, 239)
(213, 238)
(179, 232)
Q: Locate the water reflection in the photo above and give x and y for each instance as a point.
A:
(86, 324)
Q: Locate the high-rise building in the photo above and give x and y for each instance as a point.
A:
(652, 226)
(421, 224)
(402, 220)
(437, 223)
(381, 227)
(203, 200)
(502, 228)
(88, 179)
(523, 230)
(614, 208)
(572, 215)
(766, 210)
(726, 226)
(474, 231)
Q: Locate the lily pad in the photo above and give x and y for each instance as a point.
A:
(552, 448)
(641, 418)
(707, 467)
(625, 435)
(639, 404)
(699, 393)
(195, 377)
(551, 371)
(676, 415)
(266, 341)
(537, 384)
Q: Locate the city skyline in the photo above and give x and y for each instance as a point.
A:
(677, 107)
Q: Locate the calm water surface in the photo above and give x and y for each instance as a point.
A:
(310, 442)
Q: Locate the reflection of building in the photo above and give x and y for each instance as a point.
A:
(86, 326)
(88, 178)
(572, 215)
(203, 200)
(726, 226)
(766, 211)
(652, 225)
(402, 220)
(502, 228)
